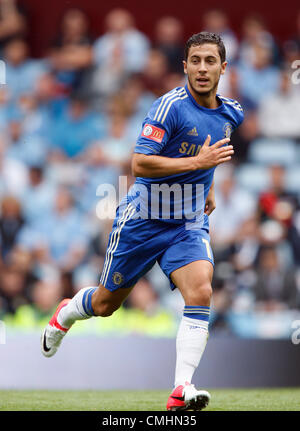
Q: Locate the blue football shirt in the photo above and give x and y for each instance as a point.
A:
(177, 126)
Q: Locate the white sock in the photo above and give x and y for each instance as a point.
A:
(79, 308)
(190, 344)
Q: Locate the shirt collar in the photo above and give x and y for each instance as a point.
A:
(202, 108)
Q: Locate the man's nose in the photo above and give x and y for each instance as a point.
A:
(202, 66)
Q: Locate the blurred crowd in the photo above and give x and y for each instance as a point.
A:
(69, 122)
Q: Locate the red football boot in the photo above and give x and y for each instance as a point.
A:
(53, 333)
(187, 397)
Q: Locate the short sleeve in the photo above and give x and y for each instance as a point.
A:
(157, 127)
(239, 116)
(237, 112)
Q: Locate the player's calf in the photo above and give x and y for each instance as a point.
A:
(105, 303)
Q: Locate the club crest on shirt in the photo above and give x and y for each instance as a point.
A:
(117, 278)
(153, 132)
(227, 130)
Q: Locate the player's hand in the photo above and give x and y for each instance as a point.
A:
(212, 155)
(210, 203)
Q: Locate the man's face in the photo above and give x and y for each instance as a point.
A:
(204, 68)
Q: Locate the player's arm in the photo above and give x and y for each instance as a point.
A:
(153, 166)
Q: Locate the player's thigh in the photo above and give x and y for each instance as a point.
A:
(188, 261)
(133, 248)
(194, 282)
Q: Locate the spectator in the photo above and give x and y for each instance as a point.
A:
(27, 110)
(49, 94)
(254, 32)
(51, 101)
(71, 53)
(13, 173)
(155, 73)
(36, 121)
(258, 79)
(279, 112)
(169, 40)
(246, 245)
(63, 233)
(21, 71)
(136, 98)
(45, 295)
(12, 21)
(38, 197)
(216, 21)
(122, 50)
(275, 287)
(11, 222)
(27, 149)
(277, 208)
(77, 128)
(277, 203)
(14, 287)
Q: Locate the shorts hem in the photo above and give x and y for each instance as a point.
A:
(172, 285)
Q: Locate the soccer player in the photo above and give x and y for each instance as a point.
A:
(184, 137)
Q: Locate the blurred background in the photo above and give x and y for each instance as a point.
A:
(80, 78)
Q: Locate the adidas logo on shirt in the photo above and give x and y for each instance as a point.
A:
(193, 132)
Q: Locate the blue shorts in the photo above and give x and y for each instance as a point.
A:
(135, 245)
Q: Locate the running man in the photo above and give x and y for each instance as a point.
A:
(184, 137)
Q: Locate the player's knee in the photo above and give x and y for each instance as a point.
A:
(104, 309)
(206, 293)
(200, 295)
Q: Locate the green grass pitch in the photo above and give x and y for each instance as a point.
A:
(282, 399)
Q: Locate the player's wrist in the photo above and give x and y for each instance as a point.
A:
(198, 163)
(195, 163)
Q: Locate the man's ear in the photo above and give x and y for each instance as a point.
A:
(184, 67)
(223, 67)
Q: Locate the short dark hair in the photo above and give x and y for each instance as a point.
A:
(205, 37)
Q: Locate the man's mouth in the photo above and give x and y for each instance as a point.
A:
(202, 81)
